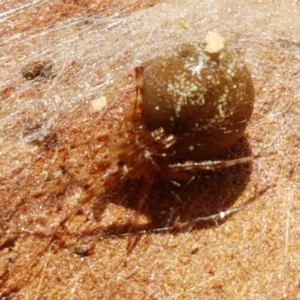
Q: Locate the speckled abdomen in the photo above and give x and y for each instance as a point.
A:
(205, 99)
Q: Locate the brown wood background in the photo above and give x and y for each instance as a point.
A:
(54, 203)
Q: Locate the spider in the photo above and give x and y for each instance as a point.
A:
(192, 104)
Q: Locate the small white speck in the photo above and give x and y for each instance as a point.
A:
(196, 69)
(57, 174)
(222, 215)
(156, 107)
(99, 104)
(147, 154)
(221, 112)
(191, 148)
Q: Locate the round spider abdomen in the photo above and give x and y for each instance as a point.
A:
(200, 92)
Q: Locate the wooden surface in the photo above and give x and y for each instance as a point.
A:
(60, 208)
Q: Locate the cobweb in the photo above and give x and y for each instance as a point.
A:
(62, 217)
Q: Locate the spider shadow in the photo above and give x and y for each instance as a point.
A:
(203, 194)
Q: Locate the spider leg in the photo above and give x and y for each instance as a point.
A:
(139, 85)
(209, 164)
(143, 194)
